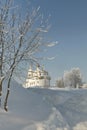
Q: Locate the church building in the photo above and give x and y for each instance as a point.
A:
(37, 78)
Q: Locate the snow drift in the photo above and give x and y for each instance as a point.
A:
(44, 109)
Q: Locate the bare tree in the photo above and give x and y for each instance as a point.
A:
(73, 78)
(60, 83)
(20, 39)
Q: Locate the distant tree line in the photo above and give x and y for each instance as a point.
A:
(71, 79)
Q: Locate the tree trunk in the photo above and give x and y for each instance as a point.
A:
(0, 88)
(0, 92)
(8, 92)
(6, 101)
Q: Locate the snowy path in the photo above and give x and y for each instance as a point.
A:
(44, 109)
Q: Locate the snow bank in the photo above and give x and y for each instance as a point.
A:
(44, 109)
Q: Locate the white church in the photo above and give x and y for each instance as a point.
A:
(37, 78)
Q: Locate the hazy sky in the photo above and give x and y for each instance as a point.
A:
(69, 27)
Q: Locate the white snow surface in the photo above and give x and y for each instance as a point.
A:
(44, 109)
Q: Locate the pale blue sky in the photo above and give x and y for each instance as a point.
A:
(69, 27)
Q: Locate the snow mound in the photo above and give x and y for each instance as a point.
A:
(44, 109)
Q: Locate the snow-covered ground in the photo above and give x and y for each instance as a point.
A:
(44, 109)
